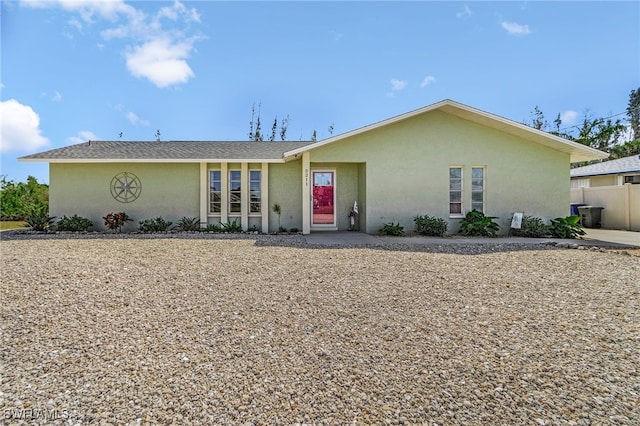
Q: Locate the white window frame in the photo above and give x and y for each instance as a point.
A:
(483, 191)
(461, 191)
(259, 197)
(230, 191)
(210, 211)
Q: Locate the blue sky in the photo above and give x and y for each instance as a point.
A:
(78, 70)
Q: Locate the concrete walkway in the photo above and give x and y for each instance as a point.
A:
(594, 237)
(614, 236)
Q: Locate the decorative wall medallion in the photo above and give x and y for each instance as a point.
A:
(125, 187)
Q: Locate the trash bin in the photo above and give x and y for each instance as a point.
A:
(574, 209)
(590, 216)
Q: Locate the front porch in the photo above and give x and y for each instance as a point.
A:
(329, 191)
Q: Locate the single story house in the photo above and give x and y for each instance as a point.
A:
(444, 160)
(607, 173)
(613, 185)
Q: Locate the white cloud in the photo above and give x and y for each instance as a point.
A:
(20, 128)
(135, 120)
(466, 12)
(156, 52)
(513, 28)
(82, 136)
(161, 61)
(397, 85)
(427, 81)
(569, 117)
(57, 97)
(179, 10)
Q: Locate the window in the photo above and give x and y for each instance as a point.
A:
(455, 190)
(580, 183)
(632, 179)
(215, 188)
(477, 189)
(255, 199)
(235, 191)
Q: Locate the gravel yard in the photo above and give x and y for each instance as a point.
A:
(267, 331)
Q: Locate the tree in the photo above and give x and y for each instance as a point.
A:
(633, 113)
(600, 133)
(284, 124)
(18, 199)
(626, 149)
(538, 121)
(274, 128)
(255, 126)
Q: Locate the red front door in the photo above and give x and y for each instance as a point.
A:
(323, 198)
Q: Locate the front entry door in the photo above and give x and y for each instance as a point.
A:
(324, 197)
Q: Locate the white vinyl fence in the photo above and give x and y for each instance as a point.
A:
(621, 204)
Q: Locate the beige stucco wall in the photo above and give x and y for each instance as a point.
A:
(169, 190)
(407, 169)
(608, 180)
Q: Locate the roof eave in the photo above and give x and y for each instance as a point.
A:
(151, 160)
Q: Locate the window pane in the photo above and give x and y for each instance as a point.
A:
(477, 206)
(455, 173)
(254, 186)
(455, 208)
(254, 175)
(234, 175)
(455, 197)
(477, 185)
(477, 197)
(477, 173)
(455, 185)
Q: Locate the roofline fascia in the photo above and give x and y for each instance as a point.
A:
(627, 172)
(150, 160)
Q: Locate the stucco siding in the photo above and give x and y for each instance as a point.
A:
(285, 188)
(608, 180)
(168, 190)
(407, 169)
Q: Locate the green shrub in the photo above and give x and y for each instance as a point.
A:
(392, 229)
(476, 224)
(212, 227)
(431, 226)
(532, 227)
(294, 230)
(566, 227)
(282, 229)
(17, 199)
(38, 219)
(188, 224)
(231, 227)
(157, 224)
(74, 223)
(116, 220)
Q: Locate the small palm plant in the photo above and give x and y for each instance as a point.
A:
(277, 210)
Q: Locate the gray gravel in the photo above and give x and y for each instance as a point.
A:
(267, 330)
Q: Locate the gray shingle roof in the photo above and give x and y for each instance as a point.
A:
(613, 167)
(166, 151)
